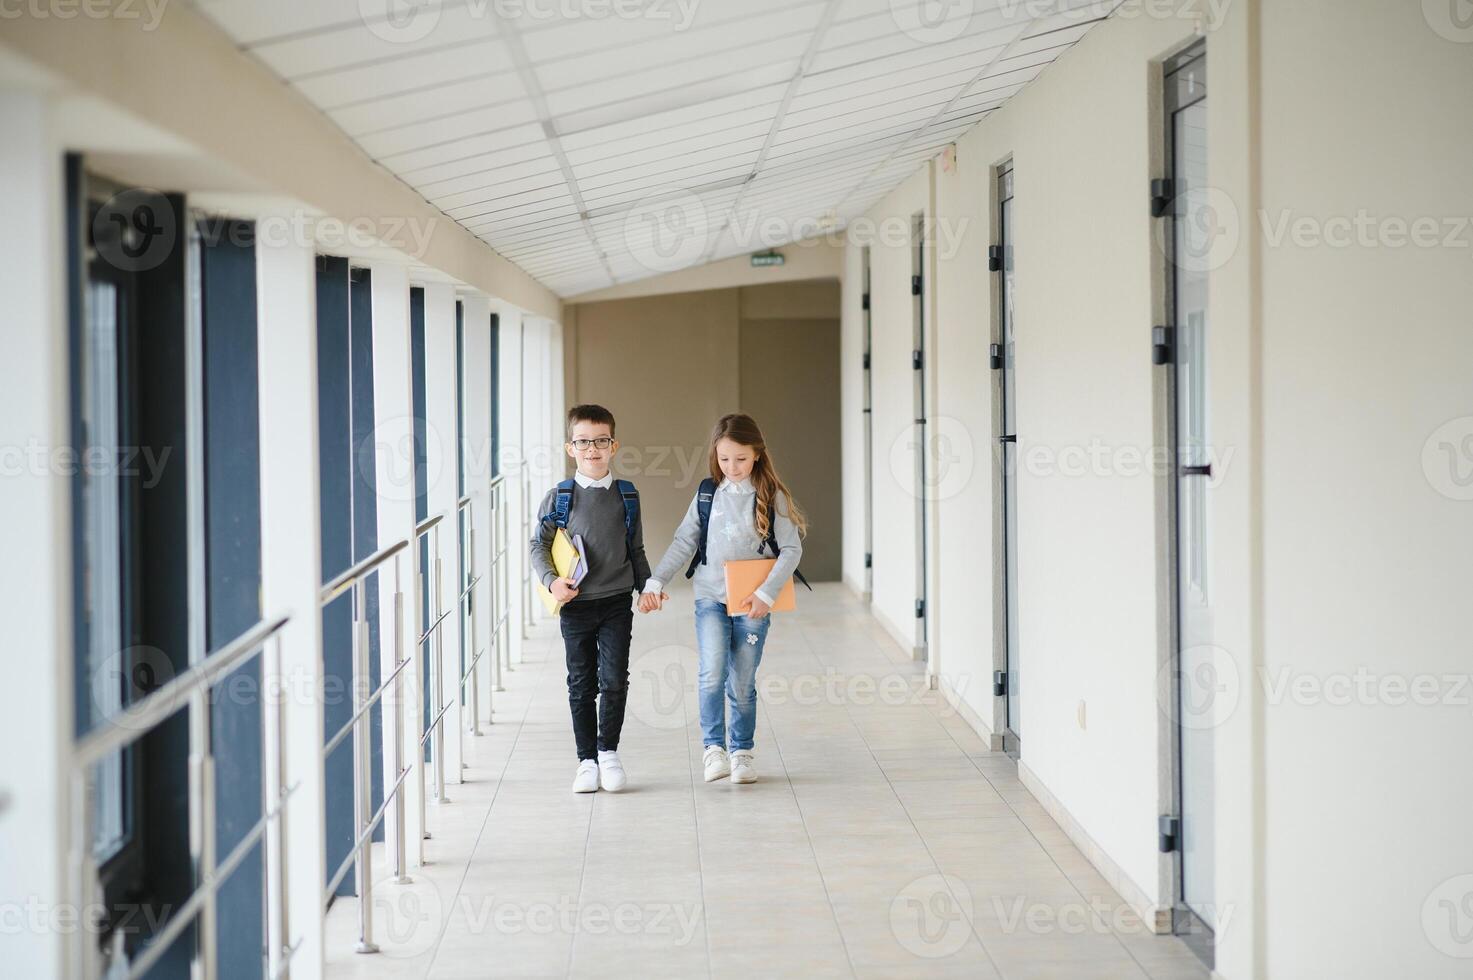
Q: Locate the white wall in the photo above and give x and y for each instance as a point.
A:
(895, 544)
(1367, 538)
(851, 417)
(1339, 383)
(1087, 574)
(36, 575)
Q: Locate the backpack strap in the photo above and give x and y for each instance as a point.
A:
(630, 497)
(560, 505)
(704, 493)
(771, 542)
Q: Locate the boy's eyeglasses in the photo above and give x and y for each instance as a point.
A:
(583, 445)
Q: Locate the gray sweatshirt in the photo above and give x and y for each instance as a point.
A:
(731, 536)
(596, 513)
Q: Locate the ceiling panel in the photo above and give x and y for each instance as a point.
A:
(438, 102)
(598, 149)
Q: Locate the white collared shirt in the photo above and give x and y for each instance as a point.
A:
(587, 482)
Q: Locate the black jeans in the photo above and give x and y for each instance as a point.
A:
(596, 633)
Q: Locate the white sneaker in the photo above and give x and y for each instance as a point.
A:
(611, 772)
(743, 769)
(587, 779)
(717, 765)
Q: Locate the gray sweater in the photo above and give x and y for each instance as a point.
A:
(732, 536)
(597, 514)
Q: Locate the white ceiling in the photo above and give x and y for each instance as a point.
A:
(594, 142)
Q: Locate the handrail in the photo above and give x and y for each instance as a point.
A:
(191, 691)
(424, 526)
(347, 728)
(341, 583)
(147, 714)
(189, 911)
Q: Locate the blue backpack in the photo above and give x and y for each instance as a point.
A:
(564, 502)
(704, 495)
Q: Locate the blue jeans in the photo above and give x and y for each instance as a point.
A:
(731, 649)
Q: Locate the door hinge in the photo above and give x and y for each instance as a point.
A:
(1161, 344)
(869, 560)
(994, 258)
(920, 609)
(1168, 832)
(915, 285)
(1161, 195)
(999, 683)
(866, 361)
(864, 302)
(994, 356)
(916, 360)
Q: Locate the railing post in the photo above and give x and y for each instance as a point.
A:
(506, 567)
(419, 742)
(528, 608)
(437, 683)
(472, 611)
(202, 830)
(400, 870)
(362, 777)
(273, 741)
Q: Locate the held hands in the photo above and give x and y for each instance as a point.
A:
(652, 601)
(562, 590)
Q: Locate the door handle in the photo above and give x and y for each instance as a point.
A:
(1205, 470)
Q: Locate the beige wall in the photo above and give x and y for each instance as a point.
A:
(790, 385)
(668, 366)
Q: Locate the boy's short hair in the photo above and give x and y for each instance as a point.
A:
(596, 414)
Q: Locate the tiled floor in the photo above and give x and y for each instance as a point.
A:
(883, 840)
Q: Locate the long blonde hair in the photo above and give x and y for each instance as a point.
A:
(741, 430)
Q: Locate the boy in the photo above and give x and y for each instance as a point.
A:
(598, 617)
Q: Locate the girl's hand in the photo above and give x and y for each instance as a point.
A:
(651, 601)
(756, 608)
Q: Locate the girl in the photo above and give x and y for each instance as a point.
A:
(751, 515)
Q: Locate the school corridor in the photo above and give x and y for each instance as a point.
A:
(1118, 352)
(882, 839)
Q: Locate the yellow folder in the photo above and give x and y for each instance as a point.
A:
(565, 559)
(745, 577)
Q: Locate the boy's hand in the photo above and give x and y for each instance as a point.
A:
(756, 608)
(562, 590)
(652, 601)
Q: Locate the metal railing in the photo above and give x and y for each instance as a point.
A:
(432, 583)
(528, 519)
(500, 582)
(138, 719)
(360, 857)
(193, 688)
(466, 602)
(430, 597)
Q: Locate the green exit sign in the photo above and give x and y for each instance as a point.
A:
(766, 258)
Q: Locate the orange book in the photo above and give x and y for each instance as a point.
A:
(745, 577)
